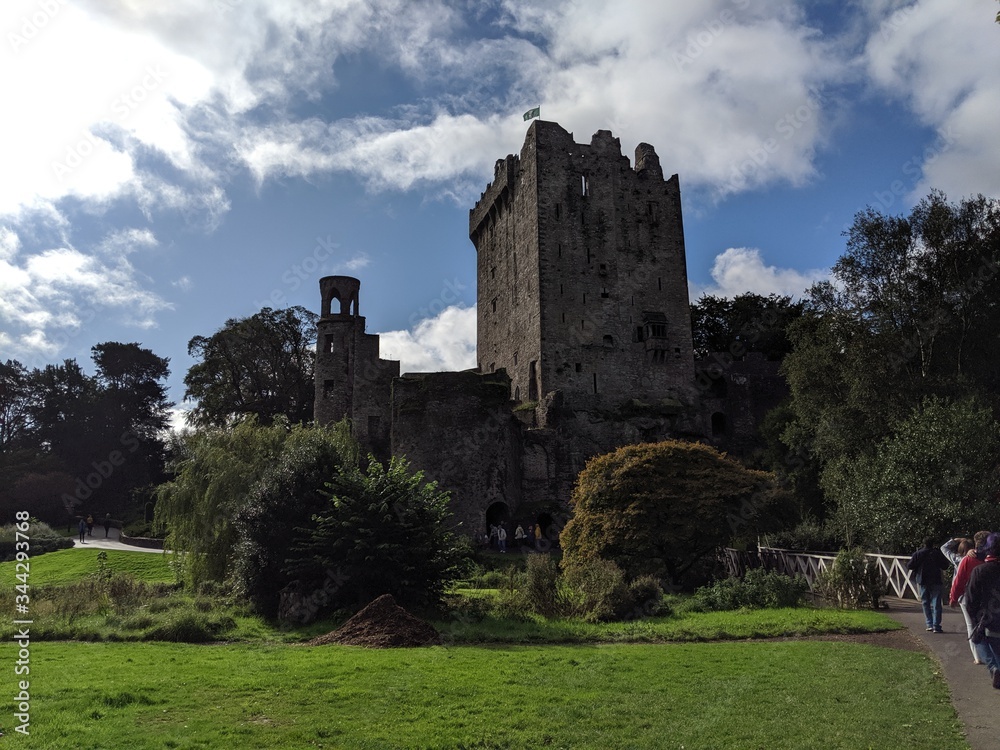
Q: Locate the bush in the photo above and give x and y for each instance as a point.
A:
(382, 531)
(541, 593)
(809, 534)
(190, 627)
(758, 589)
(852, 581)
(647, 598)
(42, 539)
(598, 590)
(661, 509)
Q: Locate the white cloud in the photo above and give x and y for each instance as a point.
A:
(446, 342)
(741, 269)
(912, 55)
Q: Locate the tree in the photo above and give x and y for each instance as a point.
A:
(661, 508)
(935, 475)
(215, 470)
(384, 531)
(260, 365)
(279, 509)
(746, 323)
(912, 311)
(15, 404)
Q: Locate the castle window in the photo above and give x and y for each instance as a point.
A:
(595, 382)
(560, 290)
(493, 366)
(659, 283)
(604, 294)
(494, 304)
(564, 317)
(585, 298)
(517, 393)
(639, 334)
(559, 249)
(329, 386)
(532, 381)
(588, 255)
(515, 358)
(609, 341)
(584, 185)
(579, 367)
(493, 272)
(328, 343)
(558, 210)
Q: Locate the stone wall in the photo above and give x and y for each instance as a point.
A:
(458, 428)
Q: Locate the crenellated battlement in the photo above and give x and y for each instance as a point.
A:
(503, 185)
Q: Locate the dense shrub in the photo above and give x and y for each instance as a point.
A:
(808, 534)
(758, 589)
(661, 508)
(852, 580)
(598, 591)
(382, 531)
(41, 539)
(541, 592)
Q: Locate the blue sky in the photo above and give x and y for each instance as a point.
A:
(169, 166)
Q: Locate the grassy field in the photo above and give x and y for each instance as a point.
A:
(794, 695)
(68, 565)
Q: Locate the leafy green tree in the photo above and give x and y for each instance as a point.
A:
(15, 404)
(661, 508)
(935, 475)
(384, 531)
(279, 509)
(214, 471)
(912, 312)
(260, 365)
(746, 323)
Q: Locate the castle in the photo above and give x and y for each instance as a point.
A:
(584, 337)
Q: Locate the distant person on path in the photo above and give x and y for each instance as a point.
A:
(90, 525)
(519, 536)
(982, 597)
(107, 525)
(928, 562)
(967, 564)
(502, 538)
(82, 526)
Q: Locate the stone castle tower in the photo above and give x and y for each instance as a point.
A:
(582, 280)
(584, 337)
(350, 379)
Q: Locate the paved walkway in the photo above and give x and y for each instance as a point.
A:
(98, 541)
(977, 703)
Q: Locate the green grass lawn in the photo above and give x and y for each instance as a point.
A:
(690, 626)
(794, 695)
(68, 565)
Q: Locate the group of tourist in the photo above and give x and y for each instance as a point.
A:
(975, 588)
(523, 539)
(86, 527)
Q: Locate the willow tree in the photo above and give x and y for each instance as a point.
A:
(216, 474)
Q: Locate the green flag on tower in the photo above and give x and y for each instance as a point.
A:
(536, 112)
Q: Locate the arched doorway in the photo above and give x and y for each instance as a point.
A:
(497, 517)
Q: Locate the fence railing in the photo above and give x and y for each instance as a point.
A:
(897, 579)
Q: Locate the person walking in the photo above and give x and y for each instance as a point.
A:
(82, 526)
(90, 525)
(502, 538)
(957, 596)
(107, 525)
(928, 562)
(982, 597)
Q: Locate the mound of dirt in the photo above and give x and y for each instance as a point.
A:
(382, 624)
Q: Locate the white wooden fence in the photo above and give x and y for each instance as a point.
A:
(897, 579)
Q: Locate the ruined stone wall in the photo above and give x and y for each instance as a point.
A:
(458, 428)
